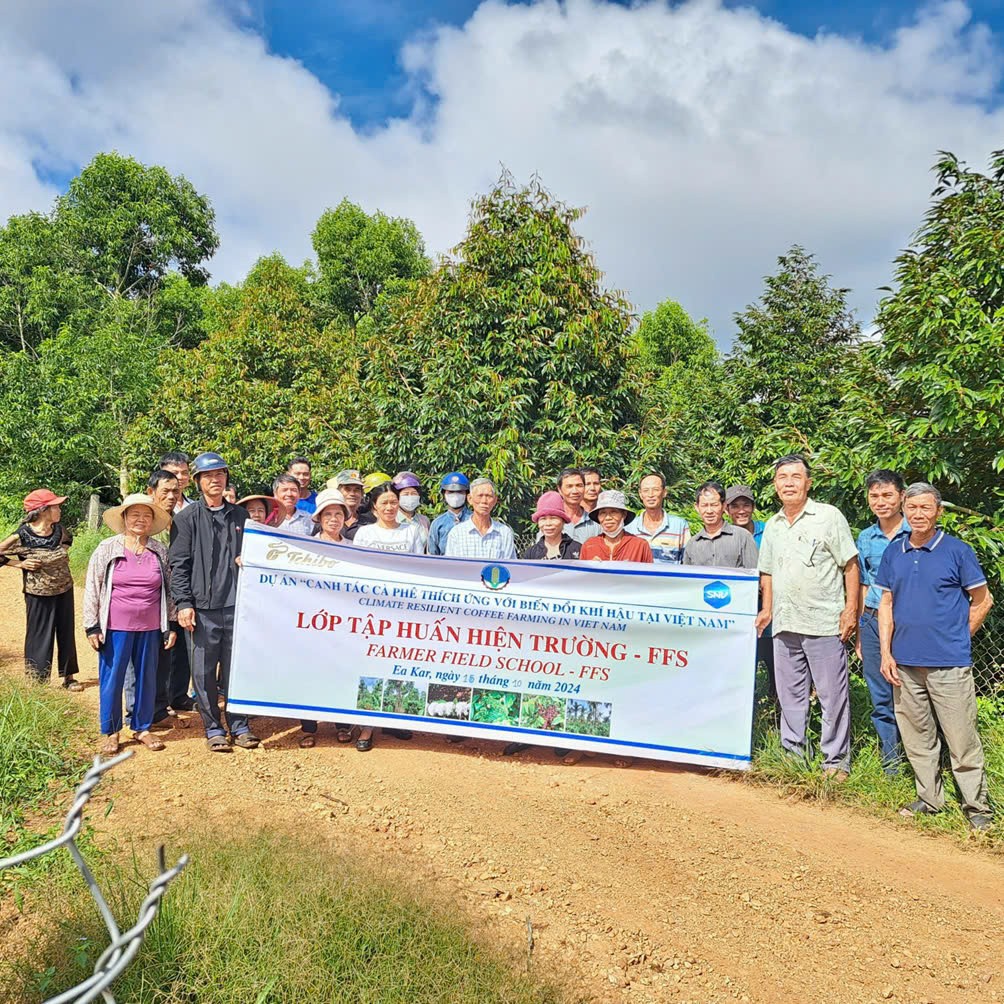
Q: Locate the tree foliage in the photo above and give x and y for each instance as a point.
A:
(792, 363)
(361, 256)
(509, 359)
(125, 225)
(266, 386)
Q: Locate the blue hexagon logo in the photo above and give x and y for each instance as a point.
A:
(717, 595)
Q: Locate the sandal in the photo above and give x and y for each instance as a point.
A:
(151, 742)
(247, 741)
(623, 761)
(110, 746)
(572, 757)
(308, 741)
(344, 734)
(72, 686)
(364, 745)
(218, 744)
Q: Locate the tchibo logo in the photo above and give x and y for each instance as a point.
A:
(717, 595)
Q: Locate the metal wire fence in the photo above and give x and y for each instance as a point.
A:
(123, 945)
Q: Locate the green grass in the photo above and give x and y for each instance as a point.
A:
(868, 787)
(85, 541)
(40, 764)
(264, 917)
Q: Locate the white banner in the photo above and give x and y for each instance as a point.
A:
(623, 658)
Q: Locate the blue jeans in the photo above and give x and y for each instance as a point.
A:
(118, 650)
(880, 689)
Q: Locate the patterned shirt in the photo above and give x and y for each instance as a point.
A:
(466, 541)
(872, 543)
(667, 541)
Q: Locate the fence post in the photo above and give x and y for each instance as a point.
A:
(93, 513)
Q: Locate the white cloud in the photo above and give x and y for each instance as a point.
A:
(704, 141)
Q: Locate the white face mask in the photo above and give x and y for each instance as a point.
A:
(615, 533)
(409, 503)
(455, 500)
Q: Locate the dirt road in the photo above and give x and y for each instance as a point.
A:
(648, 884)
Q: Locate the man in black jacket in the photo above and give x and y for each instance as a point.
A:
(205, 545)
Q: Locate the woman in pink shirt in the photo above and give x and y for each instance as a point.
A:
(129, 614)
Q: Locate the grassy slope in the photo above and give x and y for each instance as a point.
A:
(868, 787)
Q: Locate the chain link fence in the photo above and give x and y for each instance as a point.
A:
(988, 644)
(123, 945)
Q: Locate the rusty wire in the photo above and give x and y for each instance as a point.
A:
(124, 944)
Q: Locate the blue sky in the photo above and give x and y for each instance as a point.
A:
(703, 138)
(353, 46)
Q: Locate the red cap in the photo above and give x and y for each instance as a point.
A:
(40, 498)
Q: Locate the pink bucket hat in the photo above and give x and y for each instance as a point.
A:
(550, 504)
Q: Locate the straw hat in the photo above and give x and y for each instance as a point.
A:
(271, 504)
(114, 517)
(330, 496)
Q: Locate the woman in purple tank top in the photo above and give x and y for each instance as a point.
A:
(129, 614)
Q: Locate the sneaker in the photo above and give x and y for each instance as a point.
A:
(918, 808)
(980, 820)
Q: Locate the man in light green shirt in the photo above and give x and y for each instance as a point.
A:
(809, 578)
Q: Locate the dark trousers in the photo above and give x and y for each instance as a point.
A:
(765, 654)
(173, 678)
(209, 649)
(49, 621)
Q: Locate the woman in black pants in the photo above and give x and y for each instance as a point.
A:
(40, 548)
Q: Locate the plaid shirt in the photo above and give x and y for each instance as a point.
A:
(465, 541)
(872, 543)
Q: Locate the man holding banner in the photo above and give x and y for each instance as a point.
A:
(205, 547)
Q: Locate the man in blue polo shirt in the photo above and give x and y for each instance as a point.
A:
(885, 499)
(934, 599)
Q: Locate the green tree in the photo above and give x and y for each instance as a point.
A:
(37, 289)
(360, 256)
(679, 378)
(935, 408)
(669, 335)
(793, 363)
(509, 359)
(66, 411)
(125, 225)
(267, 385)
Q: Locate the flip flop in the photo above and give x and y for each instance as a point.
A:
(308, 741)
(110, 747)
(572, 757)
(218, 744)
(149, 741)
(344, 734)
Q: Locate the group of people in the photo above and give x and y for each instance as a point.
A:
(908, 594)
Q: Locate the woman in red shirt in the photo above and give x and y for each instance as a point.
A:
(615, 543)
